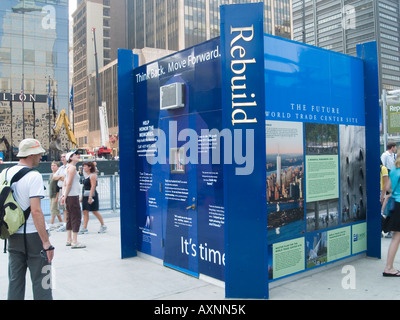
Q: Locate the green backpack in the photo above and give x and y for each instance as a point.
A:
(12, 217)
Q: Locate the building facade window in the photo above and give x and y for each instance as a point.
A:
(179, 24)
(33, 55)
(342, 25)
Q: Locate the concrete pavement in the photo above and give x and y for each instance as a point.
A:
(98, 273)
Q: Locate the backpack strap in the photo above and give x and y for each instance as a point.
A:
(18, 176)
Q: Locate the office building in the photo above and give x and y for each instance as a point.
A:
(33, 61)
(108, 19)
(179, 24)
(153, 29)
(341, 25)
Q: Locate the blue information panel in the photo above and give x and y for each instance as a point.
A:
(316, 156)
(180, 200)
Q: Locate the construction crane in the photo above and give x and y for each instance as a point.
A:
(62, 118)
(103, 151)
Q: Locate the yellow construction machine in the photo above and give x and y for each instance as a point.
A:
(62, 118)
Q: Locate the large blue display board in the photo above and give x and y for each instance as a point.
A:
(316, 147)
(179, 194)
(249, 158)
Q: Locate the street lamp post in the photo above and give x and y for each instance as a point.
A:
(11, 151)
(384, 116)
(49, 103)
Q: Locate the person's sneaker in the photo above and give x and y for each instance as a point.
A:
(61, 229)
(103, 229)
(83, 231)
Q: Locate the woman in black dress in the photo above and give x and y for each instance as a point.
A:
(90, 197)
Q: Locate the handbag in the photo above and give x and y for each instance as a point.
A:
(390, 207)
(385, 220)
(391, 201)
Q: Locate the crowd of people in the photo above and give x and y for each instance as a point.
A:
(72, 188)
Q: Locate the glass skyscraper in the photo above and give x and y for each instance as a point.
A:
(33, 67)
(178, 24)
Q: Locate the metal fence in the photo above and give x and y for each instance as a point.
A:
(107, 188)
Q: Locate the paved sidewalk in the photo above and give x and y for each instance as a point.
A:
(98, 273)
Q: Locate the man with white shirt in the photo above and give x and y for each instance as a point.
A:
(389, 156)
(30, 246)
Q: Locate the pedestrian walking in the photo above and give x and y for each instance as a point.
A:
(389, 156)
(70, 197)
(90, 197)
(53, 194)
(60, 176)
(393, 186)
(30, 246)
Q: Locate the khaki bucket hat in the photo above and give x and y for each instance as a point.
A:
(28, 147)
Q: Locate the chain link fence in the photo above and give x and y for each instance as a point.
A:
(107, 188)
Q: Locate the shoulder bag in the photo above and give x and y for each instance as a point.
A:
(390, 204)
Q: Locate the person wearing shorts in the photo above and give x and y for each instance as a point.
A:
(70, 197)
(393, 187)
(90, 198)
(53, 194)
(59, 176)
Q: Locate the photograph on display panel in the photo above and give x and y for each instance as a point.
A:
(352, 173)
(285, 179)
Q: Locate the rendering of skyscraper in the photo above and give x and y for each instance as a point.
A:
(278, 169)
(341, 25)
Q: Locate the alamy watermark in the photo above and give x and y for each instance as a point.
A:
(225, 146)
(349, 280)
(348, 17)
(49, 278)
(49, 20)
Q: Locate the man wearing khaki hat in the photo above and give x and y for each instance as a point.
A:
(30, 246)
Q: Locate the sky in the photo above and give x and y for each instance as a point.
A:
(72, 6)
